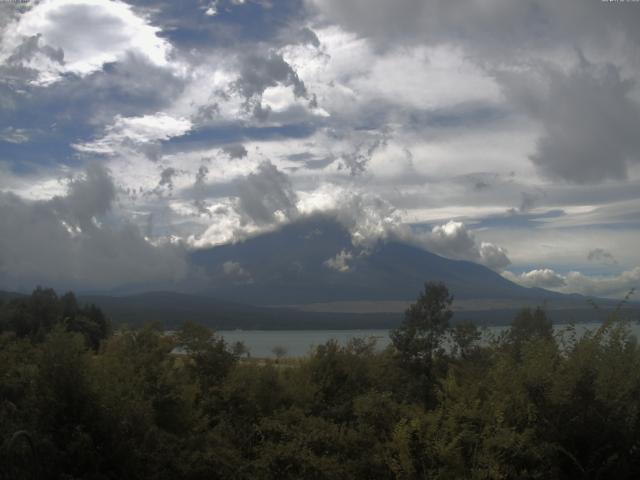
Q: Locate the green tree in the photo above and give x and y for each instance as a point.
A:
(209, 359)
(465, 336)
(279, 351)
(529, 325)
(418, 340)
(338, 374)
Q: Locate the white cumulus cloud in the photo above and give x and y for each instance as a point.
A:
(89, 33)
(613, 286)
(340, 262)
(454, 240)
(136, 131)
(541, 278)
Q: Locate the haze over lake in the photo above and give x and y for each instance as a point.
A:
(298, 343)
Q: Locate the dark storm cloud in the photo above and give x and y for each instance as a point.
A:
(235, 150)
(529, 201)
(589, 118)
(87, 198)
(68, 242)
(199, 190)
(588, 114)
(264, 194)
(166, 178)
(201, 175)
(495, 28)
(261, 71)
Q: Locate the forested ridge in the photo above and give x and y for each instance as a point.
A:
(81, 400)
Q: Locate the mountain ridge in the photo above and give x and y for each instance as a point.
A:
(292, 266)
(285, 279)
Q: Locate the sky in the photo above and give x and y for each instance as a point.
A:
(505, 133)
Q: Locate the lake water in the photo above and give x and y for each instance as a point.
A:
(298, 343)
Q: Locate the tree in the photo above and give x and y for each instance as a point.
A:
(420, 336)
(279, 351)
(210, 360)
(528, 325)
(424, 326)
(465, 336)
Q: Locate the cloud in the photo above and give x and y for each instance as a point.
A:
(258, 72)
(371, 219)
(494, 256)
(451, 239)
(356, 161)
(51, 121)
(235, 150)
(541, 278)
(201, 175)
(88, 198)
(70, 242)
(166, 181)
(14, 135)
(528, 201)
(80, 37)
(305, 36)
(368, 218)
(166, 177)
(602, 256)
(584, 110)
(454, 240)
(266, 196)
(339, 262)
(425, 112)
(588, 116)
(615, 286)
(32, 47)
(611, 286)
(136, 132)
(492, 28)
(198, 191)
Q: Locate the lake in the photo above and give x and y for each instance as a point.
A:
(298, 343)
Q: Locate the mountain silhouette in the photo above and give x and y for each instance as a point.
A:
(314, 260)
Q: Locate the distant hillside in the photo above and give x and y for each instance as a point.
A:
(5, 296)
(170, 309)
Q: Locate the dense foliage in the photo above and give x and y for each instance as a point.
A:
(80, 402)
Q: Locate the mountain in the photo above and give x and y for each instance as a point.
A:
(287, 279)
(7, 296)
(292, 266)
